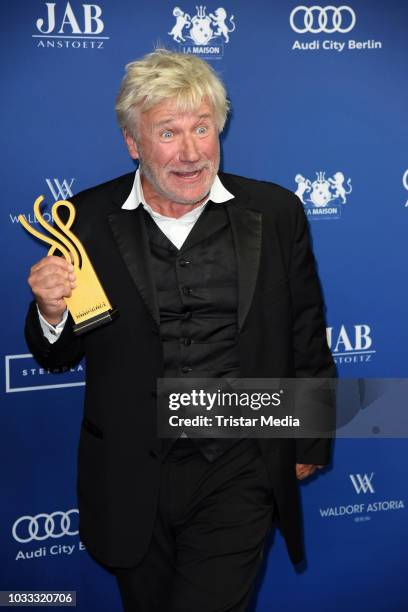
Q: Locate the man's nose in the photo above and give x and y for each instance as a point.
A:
(189, 150)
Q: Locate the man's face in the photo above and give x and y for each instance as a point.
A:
(178, 152)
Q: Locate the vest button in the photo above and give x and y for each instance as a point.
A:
(186, 369)
(186, 315)
(187, 291)
(184, 262)
(186, 341)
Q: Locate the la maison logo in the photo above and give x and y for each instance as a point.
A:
(203, 34)
(60, 27)
(323, 198)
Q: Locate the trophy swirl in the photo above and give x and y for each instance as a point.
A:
(89, 305)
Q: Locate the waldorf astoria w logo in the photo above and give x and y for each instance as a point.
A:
(365, 507)
(362, 483)
(351, 344)
(60, 27)
(60, 189)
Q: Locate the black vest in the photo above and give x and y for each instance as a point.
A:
(197, 296)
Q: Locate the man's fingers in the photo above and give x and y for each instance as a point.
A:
(48, 275)
(56, 293)
(304, 471)
(52, 260)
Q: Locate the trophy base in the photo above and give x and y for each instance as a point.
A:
(96, 321)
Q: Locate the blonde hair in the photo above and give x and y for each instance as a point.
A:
(165, 74)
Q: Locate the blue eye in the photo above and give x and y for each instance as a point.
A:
(167, 134)
(201, 130)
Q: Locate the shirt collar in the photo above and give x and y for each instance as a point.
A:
(218, 194)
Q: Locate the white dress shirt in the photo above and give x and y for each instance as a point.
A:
(176, 231)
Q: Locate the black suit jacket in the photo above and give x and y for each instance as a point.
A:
(281, 334)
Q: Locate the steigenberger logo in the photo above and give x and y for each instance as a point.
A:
(202, 34)
(353, 344)
(24, 374)
(60, 189)
(405, 184)
(362, 511)
(36, 530)
(327, 20)
(324, 197)
(62, 28)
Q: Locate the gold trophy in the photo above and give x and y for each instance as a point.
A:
(88, 304)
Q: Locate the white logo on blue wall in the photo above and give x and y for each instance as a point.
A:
(362, 483)
(202, 34)
(64, 28)
(365, 508)
(323, 198)
(24, 374)
(333, 21)
(351, 344)
(44, 526)
(405, 183)
(327, 19)
(60, 189)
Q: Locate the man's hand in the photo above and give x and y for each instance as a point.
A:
(304, 470)
(51, 279)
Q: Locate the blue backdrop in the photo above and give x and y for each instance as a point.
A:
(319, 103)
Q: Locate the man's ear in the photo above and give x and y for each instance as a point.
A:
(131, 144)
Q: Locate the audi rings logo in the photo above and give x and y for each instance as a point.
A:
(317, 19)
(43, 526)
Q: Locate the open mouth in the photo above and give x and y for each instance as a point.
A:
(188, 175)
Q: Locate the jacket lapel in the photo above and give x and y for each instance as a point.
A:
(246, 227)
(130, 234)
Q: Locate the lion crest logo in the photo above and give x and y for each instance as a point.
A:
(322, 191)
(202, 28)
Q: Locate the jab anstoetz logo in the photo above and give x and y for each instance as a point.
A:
(362, 504)
(324, 21)
(352, 344)
(60, 27)
(37, 529)
(202, 34)
(60, 189)
(324, 197)
(405, 183)
(24, 374)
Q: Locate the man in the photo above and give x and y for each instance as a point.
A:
(213, 276)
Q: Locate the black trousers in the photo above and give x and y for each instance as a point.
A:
(209, 534)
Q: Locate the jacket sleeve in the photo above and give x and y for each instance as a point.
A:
(312, 357)
(65, 352)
